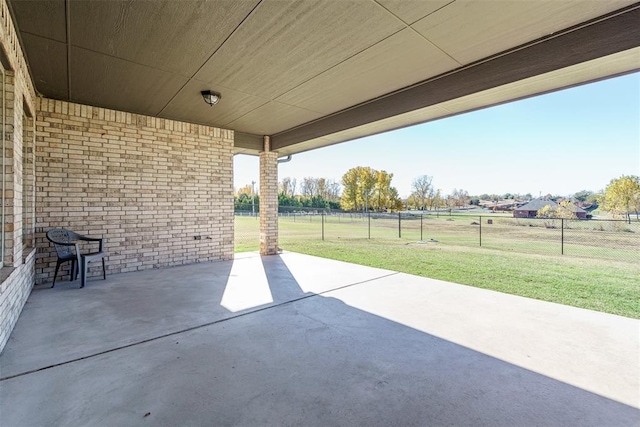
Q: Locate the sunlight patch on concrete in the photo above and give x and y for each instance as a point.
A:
(594, 351)
(247, 286)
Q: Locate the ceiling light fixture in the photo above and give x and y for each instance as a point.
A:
(210, 97)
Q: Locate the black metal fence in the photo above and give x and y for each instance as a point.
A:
(594, 238)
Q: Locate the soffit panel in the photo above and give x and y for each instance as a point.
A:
(271, 118)
(403, 59)
(188, 105)
(173, 36)
(48, 63)
(411, 11)
(45, 18)
(470, 30)
(283, 44)
(114, 83)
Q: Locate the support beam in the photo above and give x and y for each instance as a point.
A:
(268, 200)
(247, 143)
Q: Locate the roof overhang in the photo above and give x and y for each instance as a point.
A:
(316, 73)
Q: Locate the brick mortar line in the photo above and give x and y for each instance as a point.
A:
(192, 328)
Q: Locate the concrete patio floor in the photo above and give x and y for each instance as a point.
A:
(299, 340)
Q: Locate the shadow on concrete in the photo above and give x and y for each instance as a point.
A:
(284, 287)
(304, 359)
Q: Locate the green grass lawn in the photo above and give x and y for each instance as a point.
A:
(600, 284)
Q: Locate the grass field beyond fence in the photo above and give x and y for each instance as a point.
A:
(599, 268)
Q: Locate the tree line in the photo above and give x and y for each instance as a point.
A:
(366, 189)
(425, 197)
(320, 193)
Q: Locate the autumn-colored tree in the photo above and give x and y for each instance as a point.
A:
(349, 199)
(395, 202)
(365, 188)
(381, 199)
(244, 200)
(564, 210)
(244, 190)
(366, 184)
(435, 200)
(622, 196)
(413, 202)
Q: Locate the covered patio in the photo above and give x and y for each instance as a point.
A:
(292, 339)
(105, 131)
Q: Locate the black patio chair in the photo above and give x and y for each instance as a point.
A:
(67, 248)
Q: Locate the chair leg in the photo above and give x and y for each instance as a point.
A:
(56, 273)
(73, 272)
(104, 270)
(83, 272)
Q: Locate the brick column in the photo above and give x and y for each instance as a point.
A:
(268, 200)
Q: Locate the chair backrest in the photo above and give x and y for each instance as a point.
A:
(60, 235)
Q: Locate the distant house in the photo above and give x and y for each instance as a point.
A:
(580, 213)
(530, 210)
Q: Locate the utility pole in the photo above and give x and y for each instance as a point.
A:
(253, 203)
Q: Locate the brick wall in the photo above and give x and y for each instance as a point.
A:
(147, 185)
(14, 291)
(17, 273)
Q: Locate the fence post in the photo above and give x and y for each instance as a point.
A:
(322, 225)
(399, 225)
(562, 236)
(369, 228)
(421, 216)
(481, 230)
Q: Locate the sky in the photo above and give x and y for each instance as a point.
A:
(559, 143)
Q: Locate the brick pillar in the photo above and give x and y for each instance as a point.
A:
(268, 200)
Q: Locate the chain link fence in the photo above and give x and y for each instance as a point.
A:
(246, 234)
(593, 238)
